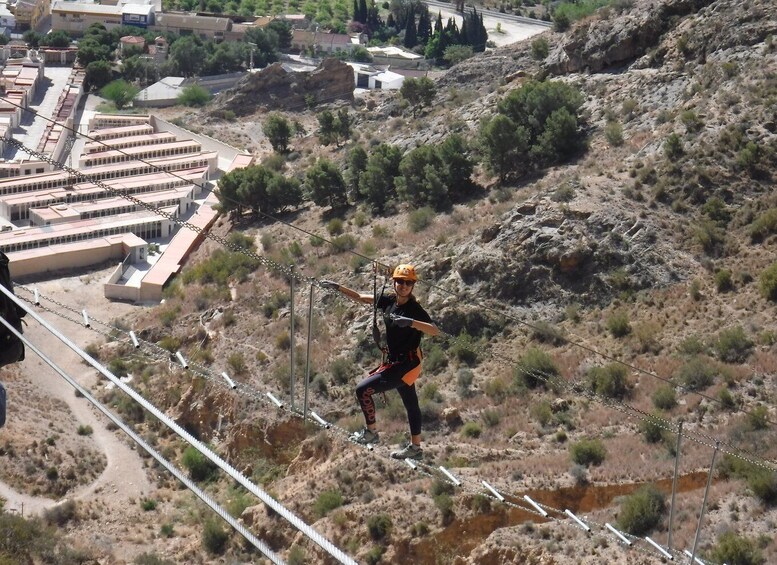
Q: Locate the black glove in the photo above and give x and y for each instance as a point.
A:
(331, 285)
(402, 321)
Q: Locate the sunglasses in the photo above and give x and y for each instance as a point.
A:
(403, 282)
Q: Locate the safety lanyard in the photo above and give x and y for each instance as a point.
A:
(375, 299)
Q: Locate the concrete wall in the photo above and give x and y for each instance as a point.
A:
(69, 256)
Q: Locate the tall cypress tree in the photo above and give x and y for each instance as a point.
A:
(363, 13)
(373, 19)
(424, 27)
(356, 11)
(411, 39)
(438, 23)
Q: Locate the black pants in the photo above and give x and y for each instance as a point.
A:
(389, 377)
(2, 405)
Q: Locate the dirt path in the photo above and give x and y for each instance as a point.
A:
(124, 477)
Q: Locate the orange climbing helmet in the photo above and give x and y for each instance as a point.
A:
(406, 272)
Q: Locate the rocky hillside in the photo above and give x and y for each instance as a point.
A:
(649, 249)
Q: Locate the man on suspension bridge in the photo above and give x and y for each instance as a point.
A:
(405, 322)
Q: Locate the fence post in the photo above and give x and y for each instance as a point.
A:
(307, 356)
(674, 483)
(291, 336)
(704, 502)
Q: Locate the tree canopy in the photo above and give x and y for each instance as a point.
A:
(278, 131)
(325, 184)
(259, 189)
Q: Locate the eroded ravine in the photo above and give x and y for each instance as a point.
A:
(461, 536)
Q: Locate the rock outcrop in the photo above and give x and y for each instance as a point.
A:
(275, 88)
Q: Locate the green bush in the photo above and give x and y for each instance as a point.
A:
(374, 555)
(710, 236)
(737, 550)
(194, 95)
(618, 324)
(564, 193)
(541, 412)
(480, 503)
(464, 380)
(613, 133)
(540, 48)
(652, 430)
(221, 266)
(435, 359)
(471, 430)
(544, 332)
(758, 418)
(237, 363)
(379, 526)
(664, 397)
(610, 381)
(496, 389)
(85, 430)
(420, 219)
(768, 282)
(151, 559)
(727, 399)
(148, 504)
(534, 369)
(733, 346)
(724, 281)
(214, 537)
(296, 555)
(58, 515)
(491, 418)
(327, 501)
(200, 468)
(277, 300)
(334, 226)
(444, 504)
(465, 349)
(343, 243)
(764, 224)
(120, 92)
(692, 345)
(641, 511)
(691, 121)
(588, 452)
(341, 370)
(696, 374)
(673, 147)
(763, 482)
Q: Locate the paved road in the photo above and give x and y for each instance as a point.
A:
(513, 28)
(32, 125)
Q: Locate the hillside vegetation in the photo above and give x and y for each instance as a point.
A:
(601, 276)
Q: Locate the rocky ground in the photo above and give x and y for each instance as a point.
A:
(545, 262)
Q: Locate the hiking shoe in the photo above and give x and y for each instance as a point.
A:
(410, 451)
(365, 436)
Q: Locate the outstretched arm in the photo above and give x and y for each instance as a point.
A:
(350, 293)
(425, 327)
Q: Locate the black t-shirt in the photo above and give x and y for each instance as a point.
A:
(402, 340)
